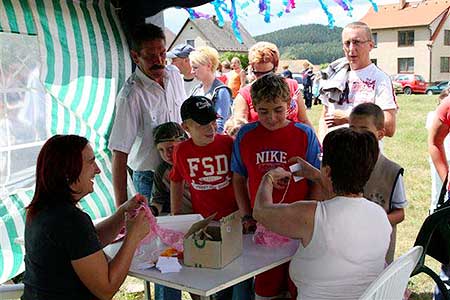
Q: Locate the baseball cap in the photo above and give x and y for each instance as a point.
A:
(168, 132)
(199, 109)
(181, 50)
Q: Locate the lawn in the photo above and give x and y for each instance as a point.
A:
(408, 147)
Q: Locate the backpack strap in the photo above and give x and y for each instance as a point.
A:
(216, 93)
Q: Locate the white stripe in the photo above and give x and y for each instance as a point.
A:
(107, 182)
(5, 246)
(20, 18)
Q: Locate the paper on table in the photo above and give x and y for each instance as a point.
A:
(294, 168)
(168, 264)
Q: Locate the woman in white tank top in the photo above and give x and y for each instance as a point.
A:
(343, 239)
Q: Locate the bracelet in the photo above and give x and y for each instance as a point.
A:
(154, 210)
(270, 177)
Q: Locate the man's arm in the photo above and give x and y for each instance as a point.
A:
(119, 174)
(176, 196)
(436, 136)
(390, 121)
(323, 128)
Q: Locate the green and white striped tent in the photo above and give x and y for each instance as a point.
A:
(61, 65)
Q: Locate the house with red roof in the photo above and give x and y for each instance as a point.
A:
(412, 37)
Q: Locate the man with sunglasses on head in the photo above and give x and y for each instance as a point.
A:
(353, 80)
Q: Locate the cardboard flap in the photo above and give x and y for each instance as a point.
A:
(228, 221)
(199, 225)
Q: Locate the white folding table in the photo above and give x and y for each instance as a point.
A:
(204, 282)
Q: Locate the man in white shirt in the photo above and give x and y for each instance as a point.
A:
(179, 56)
(152, 95)
(365, 82)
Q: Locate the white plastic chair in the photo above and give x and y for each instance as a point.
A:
(392, 282)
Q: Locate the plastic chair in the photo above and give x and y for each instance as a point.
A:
(392, 282)
(434, 237)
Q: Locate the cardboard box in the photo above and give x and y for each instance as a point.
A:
(221, 244)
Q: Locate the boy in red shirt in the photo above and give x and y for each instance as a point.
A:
(265, 145)
(203, 161)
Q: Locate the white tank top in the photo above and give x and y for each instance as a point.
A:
(346, 253)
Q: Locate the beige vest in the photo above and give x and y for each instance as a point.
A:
(380, 188)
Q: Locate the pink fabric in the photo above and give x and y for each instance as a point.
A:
(169, 237)
(265, 237)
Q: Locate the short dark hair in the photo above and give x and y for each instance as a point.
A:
(369, 110)
(169, 132)
(270, 87)
(143, 33)
(58, 166)
(351, 157)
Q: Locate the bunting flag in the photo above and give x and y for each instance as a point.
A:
(61, 65)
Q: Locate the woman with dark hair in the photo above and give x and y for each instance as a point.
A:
(64, 257)
(343, 240)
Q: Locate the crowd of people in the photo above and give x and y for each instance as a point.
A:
(196, 140)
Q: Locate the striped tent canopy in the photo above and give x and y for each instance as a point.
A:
(61, 65)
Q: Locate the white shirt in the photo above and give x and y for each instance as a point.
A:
(142, 104)
(346, 253)
(368, 84)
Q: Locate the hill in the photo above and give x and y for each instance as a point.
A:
(317, 43)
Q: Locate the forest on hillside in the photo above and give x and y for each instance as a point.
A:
(317, 43)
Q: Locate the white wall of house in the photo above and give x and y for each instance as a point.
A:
(388, 52)
(440, 50)
(190, 32)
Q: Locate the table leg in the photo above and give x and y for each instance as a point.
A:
(148, 292)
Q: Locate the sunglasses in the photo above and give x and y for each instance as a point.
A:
(261, 73)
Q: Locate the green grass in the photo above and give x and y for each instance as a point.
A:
(408, 148)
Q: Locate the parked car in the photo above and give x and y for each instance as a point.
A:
(438, 88)
(411, 83)
(298, 77)
(398, 88)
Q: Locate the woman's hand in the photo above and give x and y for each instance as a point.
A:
(279, 177)
(306, 169)
(133, 203)
(137, 227)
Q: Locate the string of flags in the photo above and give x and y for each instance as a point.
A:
(235, 8)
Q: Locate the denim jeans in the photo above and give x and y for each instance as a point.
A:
(166, 293)
(445, 277)
(143, 182)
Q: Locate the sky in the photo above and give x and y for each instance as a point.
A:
(305, 12)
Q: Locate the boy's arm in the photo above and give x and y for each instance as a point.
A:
(176, 196)
(243, 202)
(396, 216)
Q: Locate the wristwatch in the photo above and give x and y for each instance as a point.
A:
(247, 218)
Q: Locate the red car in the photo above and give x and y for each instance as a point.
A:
(411, 83)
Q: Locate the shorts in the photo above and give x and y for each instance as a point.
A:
(274, 282)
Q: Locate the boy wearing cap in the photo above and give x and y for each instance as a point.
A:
(179, 56)
(265, 145)
(203, 161)
(167, 136)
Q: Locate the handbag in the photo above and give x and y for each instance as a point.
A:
(442, 203)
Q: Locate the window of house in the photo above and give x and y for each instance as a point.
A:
(375, 39)
(406, 65)
(447, 37)
(191, 42)
(445, 64)
(406, 38)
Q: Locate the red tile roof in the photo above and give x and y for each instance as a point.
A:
(413, 14)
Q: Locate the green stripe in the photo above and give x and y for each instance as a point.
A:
(28, 17)
(106, 191)
(50, 78)
(79, 45)
(94, 57)
(11, 15)
(85, 207)
(66, 119)
(12, 235)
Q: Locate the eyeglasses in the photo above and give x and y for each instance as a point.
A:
(261, 73)
(356, 43)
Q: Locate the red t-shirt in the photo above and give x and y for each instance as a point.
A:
(443, 111)
(292, 112)
(207, 171)
(253, 158)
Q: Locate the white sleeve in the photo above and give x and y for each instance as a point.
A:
(399, 195)
(126, 122)
(384, 94)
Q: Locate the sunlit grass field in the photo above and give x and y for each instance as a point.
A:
(408, 147)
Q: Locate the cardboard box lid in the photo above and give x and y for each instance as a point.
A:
(199, 225)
